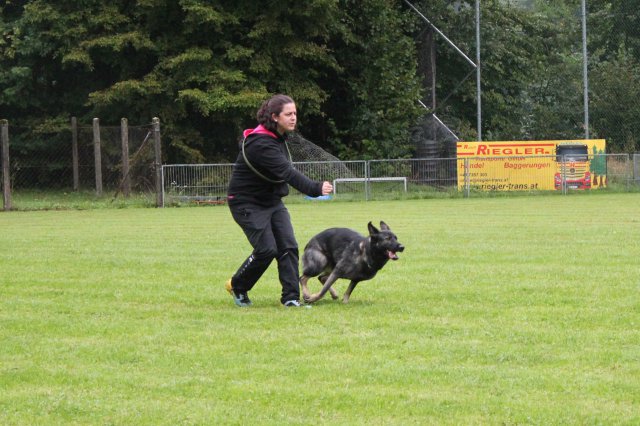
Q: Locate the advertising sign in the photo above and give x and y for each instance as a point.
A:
(532, 165)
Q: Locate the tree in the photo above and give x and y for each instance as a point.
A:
(615, 90)
(530, 62)
(204, 67)
(614, 45)
(375, 96)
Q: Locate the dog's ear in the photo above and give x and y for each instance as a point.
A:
(372, 229)
(384, 226)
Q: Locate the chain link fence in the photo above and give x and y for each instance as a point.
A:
(66, 158)
(126, 159)
(423, 178)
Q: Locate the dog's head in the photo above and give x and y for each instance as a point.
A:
(384, 239)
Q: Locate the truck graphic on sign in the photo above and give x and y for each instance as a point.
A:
(572, 166)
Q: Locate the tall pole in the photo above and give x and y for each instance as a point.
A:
(478, 87)
(585, 74)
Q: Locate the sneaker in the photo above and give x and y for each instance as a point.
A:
(240, 299)
(295, 304)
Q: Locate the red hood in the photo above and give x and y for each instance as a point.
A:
(261, 130)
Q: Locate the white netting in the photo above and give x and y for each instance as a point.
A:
(305, 151)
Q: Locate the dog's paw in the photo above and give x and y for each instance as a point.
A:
(334, 293)
(310, 299)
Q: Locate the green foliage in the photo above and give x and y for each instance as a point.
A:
(613, 25)
(530, 75)
(204, 67)
(531, 52)
(615, 108)
(380, 76)
(615, 79)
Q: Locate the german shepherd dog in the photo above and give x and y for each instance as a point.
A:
(344, 253)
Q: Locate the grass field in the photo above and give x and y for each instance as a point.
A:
(509, 311)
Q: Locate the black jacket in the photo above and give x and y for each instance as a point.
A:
(270, 157)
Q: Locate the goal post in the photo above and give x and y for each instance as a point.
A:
(367, 181)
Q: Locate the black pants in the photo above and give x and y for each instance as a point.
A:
(270, 232)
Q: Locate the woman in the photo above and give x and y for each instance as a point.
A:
(261, 177)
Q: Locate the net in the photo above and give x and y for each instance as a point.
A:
(305, 151)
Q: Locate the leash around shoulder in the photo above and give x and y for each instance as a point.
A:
(344, 253)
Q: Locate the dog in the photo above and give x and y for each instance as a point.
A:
(344, 253)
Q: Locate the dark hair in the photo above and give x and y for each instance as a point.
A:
(273, 105)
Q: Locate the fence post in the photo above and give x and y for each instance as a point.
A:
(74, 153)
(157, 161)
(367, 179)
(97, 154)
(563, 174)
(467, 179)
(6, 178)
(124, 136)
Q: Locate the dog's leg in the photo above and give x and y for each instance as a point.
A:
(327, 285)
(334, 293)
(305, 289)
(347, 294)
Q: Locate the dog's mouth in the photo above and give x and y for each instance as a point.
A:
(392, 255)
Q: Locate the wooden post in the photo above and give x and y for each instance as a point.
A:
(74, 153)
(124, 136)
(158, 161)
(97, 155)
(6, 177)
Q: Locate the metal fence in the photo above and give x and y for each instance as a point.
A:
(122, 159)
(416, 178)
(83, 156)
(196, 183)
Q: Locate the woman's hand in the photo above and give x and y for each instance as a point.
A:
(327, 188)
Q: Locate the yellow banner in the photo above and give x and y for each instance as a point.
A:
(532, 165)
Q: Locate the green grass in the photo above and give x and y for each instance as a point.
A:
(32, 199)
(501, 310)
